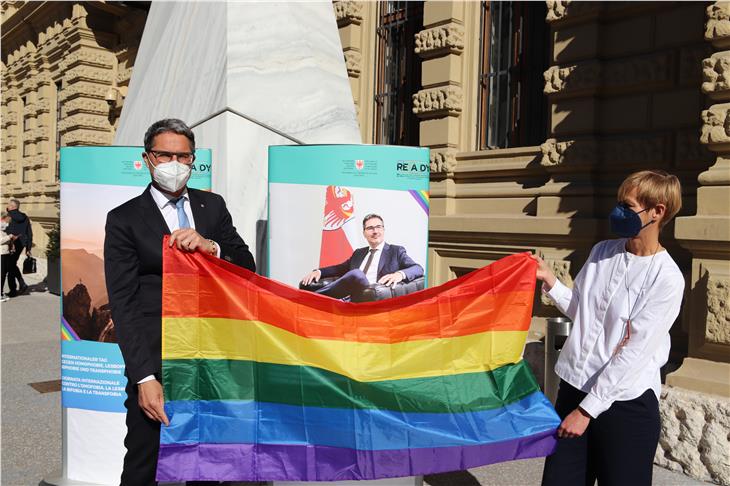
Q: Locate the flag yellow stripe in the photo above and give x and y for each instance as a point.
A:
(219, 338)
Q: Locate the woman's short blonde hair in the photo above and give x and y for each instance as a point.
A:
(654, 187)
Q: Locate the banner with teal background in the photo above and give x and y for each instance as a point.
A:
(319, 195)
(95, 180)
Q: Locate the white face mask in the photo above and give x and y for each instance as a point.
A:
(171, 176)
(3, 225)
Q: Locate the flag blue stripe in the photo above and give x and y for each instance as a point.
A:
(247, 421)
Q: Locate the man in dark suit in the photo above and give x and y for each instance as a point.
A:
(22, 230)
(378, 262)
(198, 221)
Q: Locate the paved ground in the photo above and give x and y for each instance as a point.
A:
(31, 421)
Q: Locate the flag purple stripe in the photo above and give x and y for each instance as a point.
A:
(293, 462)
(70, 329)
(419, 199)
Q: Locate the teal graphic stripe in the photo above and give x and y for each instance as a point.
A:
(122, 166)
(374, 166)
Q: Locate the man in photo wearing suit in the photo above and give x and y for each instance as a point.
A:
(198, 221)
(378, 262)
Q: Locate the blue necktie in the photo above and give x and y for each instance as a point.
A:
(182, 218)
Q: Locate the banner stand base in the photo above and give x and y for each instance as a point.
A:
(57, 479)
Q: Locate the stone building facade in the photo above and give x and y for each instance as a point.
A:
(65, 70)
(625, 86)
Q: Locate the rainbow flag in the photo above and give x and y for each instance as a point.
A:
(266, 382)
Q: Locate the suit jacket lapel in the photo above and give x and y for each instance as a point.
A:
(385, 255)
(199, 212)
(151, 214)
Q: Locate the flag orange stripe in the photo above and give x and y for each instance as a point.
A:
(442, 317)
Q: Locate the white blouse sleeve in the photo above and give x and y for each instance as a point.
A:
(648, 329)
(565, 298)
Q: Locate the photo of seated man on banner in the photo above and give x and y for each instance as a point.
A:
(372, 272)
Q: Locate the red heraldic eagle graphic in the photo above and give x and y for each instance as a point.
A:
(339, 208)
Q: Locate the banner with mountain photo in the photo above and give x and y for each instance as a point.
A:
(264, 382)
(95, 180)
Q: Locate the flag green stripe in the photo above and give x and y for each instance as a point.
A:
(208, 379)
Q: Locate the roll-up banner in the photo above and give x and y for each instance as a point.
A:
(318, 197)
(95, 180)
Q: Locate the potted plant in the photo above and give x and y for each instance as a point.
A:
(53, 256)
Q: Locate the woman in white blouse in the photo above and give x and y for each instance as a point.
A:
(624, 301)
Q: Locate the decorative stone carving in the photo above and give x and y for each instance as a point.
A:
(440, 40)
(88, 90)
(348, 12)
(444, 100)
(635, 150)
(718, 21)
(716, 124)
(560, 9)
(353, 62)
(86, 105)
(88, 58)
(716, 73)
(86, 138)
(87, 73)
(636, 71)
(561, 269)
(572, 78)
(93, 122)
(556, 152)
(691, 64)
(718, 311)
(43, 106)
(694, 435)
(443, 160)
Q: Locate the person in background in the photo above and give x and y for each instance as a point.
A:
(21, 229)
(6, 243)
(624, 301)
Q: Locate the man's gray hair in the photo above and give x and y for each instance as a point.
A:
(16, 203)
(168, 125)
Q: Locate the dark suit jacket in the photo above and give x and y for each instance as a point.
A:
(133, 268)
(394, 258)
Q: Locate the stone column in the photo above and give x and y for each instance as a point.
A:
(439, 103)
(707, 234)
(696, 402)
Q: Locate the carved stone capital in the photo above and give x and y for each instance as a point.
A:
(716, 126)
(440, 40)
(348, 12)
(86, 137)
(440, 101)
(558, 10)
(565, 152)
(577, 77)
(443, 160)
(718, 312)
(353, 62)
(717, 28)
(716, 75)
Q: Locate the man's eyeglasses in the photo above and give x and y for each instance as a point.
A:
(373, 228)
(182, 157)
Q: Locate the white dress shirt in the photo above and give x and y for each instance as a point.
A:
(598, 305)
(169, 213)
(169, 210)
(372, 273)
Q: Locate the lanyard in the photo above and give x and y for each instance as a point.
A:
(631, 307)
